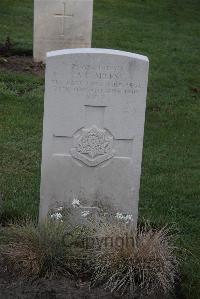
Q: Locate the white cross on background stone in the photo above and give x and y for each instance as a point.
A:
(63, 17)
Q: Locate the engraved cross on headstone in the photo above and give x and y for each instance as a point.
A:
(63, 16)
(94, 115)
(107, 147)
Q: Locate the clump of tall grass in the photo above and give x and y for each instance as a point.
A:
(41, 251)
(144, 266)
(108, 252)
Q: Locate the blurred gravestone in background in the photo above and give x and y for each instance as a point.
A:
(61, 24)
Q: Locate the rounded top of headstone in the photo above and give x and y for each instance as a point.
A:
(96, 51)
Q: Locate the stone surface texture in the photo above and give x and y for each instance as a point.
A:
(61, 24)
(94, 114)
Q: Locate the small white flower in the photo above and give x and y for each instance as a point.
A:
(85, 213)
(56, 216)
(119, 216)
(76, 203)
(125, 218)
(129, 218)
(60, 209)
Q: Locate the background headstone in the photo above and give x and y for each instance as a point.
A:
(94, 117)
(61, 24)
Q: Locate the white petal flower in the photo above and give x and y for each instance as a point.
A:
(76, 202)
(129, 218)
(125, 218)
(56, 216)
(85, 213)
(60, 209)
(119, 216)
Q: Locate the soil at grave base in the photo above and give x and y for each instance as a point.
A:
(12, 287)
(21, 64)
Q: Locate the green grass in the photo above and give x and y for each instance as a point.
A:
(16, 21)
(168, 33)
(21, 109)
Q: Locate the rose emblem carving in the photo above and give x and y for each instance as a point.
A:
(94, 143)
(93, 146)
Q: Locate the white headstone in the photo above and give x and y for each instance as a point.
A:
(61, 24)
(94, 117)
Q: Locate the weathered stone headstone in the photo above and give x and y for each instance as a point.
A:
(94, 117)
(61, 24)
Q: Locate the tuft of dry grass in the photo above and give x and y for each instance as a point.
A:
(145, 266)
(39, 251)
(112, 254)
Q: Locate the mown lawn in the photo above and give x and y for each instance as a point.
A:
(168, 33)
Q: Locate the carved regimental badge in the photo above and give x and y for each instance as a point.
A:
(93, 146)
